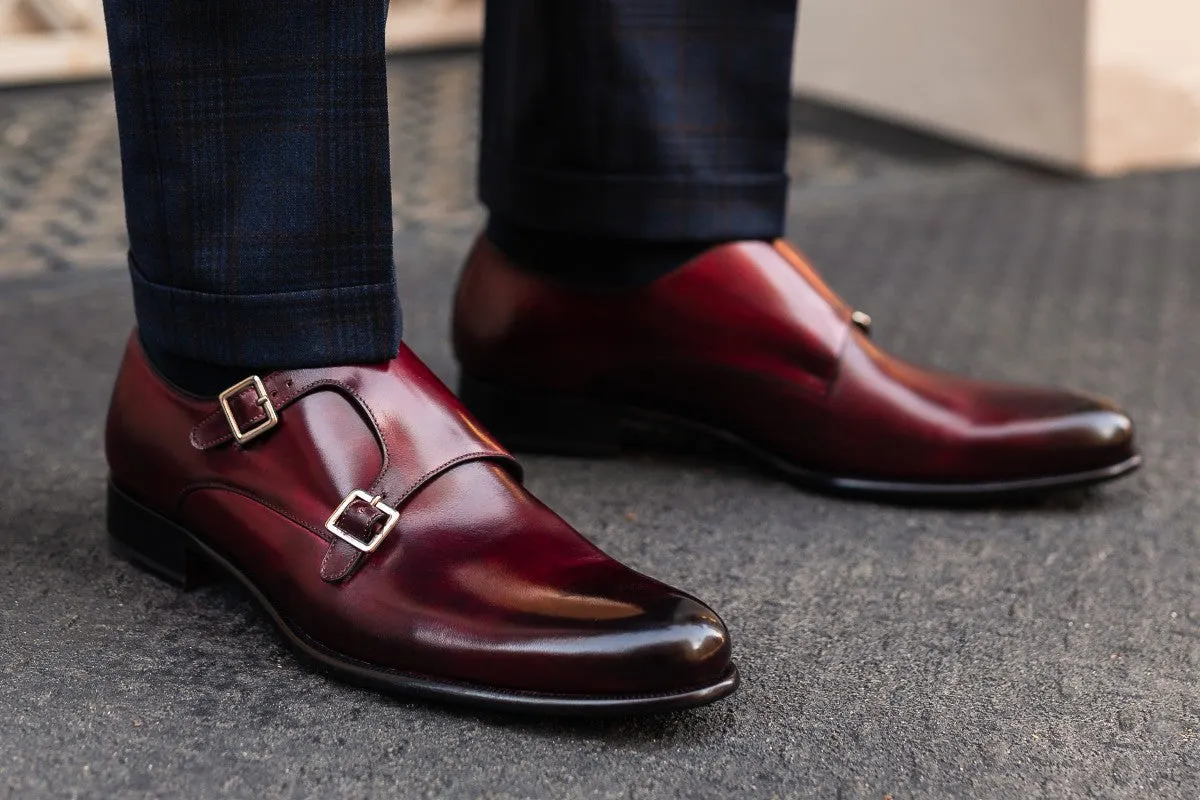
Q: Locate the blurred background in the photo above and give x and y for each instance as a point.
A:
(1008, 187)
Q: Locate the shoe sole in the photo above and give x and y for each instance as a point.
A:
(173, 553)
(561, 425)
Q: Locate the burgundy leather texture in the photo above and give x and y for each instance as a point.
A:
(748, 339)
(479, 583)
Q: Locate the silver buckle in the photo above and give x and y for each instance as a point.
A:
(393, 516)
(263, 401)
(862, 321)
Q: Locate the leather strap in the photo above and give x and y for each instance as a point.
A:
(433, 436)
(283, 389)
(343, 559)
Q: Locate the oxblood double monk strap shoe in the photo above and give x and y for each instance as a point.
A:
(391, 540)
(747, 347)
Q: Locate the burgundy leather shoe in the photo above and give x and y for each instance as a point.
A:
(746, 346)
(391, 540)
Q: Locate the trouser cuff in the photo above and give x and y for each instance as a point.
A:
(286, 330)
(654, 208)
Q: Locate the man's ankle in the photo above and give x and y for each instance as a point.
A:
(589, 260)
(193, 376)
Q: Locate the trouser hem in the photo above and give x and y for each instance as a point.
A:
(653, 208)
(284, 330)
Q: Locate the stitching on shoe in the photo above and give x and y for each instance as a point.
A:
(249, 495)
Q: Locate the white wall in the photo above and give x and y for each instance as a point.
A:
(1144, 88)
(1005, 73)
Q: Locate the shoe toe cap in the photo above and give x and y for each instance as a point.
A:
(1095, 434)
(675, 645)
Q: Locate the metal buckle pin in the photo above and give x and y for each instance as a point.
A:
(262, 400)
(393, 516)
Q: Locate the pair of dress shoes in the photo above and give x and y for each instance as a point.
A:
(388, 533)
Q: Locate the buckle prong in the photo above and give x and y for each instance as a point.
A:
(393, 516)
(262, 400)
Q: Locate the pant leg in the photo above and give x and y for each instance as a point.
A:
(661, 120)
(257, 187)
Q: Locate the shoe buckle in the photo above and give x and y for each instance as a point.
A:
(393, 516)
(862, 321)
(262, 400)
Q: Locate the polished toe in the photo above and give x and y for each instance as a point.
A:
(683, 644)
(918, 425)
(1097, 438)
(676, 646)
(1055, 434)
(533, 606)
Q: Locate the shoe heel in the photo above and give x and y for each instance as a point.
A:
(151, 541)
(543, 423)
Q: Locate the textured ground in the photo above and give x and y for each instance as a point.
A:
(1049, 650)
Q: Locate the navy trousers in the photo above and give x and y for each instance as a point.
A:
(255, 152)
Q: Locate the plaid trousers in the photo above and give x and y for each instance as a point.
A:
(254, 151)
